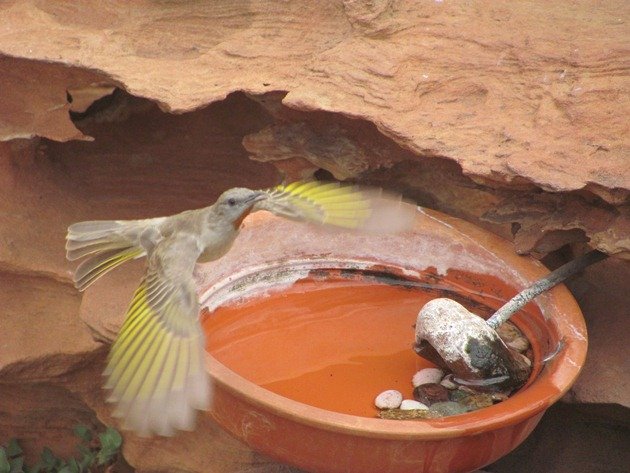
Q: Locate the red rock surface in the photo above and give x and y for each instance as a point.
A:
(604, 301)
(531, 91)
(510, 115)
(50, 363)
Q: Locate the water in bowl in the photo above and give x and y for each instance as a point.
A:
(329, 343)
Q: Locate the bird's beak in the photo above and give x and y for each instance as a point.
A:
(258, 196)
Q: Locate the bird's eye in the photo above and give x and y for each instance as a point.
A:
(231, 202)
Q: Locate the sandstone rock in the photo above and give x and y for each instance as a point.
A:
(35, 99)
(405, 67)
(50, 365)
(45, 349)
(547, 222)
(603, 297)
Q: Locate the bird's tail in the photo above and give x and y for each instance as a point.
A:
(106, 244)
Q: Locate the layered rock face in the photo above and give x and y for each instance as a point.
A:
(512, 116)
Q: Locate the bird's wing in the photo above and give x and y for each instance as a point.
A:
(155, 369)
(345, 206)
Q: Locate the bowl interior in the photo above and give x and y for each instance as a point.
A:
(337, 336)
(449, 257)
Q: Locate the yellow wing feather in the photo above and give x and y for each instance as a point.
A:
(94, 267)
(155, 370)
(339, 205)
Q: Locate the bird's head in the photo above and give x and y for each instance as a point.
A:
(235, 204)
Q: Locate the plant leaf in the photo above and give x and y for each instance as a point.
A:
(110, 444)
(74, 466)
(17, 465)
(49, 460)
(87, 460)
(5, 467)
(83, 432)
(110, 439)
(14, 449)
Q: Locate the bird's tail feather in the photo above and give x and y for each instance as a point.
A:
(107, 245)
(88, 230)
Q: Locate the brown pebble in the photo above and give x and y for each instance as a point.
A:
(477, 401)
(499, 397)
(529, 354)
(430, 393)
(457, 395)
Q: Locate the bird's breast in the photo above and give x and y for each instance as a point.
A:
(218, 243)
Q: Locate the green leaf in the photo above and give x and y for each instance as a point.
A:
(83, 432)
(49, 460)
(17, 465)
(110, 439)
(5, 467)
(104, 456)
(14, 449)
(73, 466)
(83, 450)
(87, 460)
(110, 444)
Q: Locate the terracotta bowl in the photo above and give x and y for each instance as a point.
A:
(272, 252)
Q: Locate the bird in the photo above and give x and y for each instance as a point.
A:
(155, 373)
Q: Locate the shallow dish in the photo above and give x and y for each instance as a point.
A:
(271, 254)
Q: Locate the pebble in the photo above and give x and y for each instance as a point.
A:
(513, 337)
(447, 408)
(410, 405)
(526, 359)
(427, 376)
(520, 344)
(430, 393)
(390, 399)
(458, 394)
(499, 397)
(477, 401)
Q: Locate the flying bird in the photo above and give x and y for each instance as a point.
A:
(155, 369)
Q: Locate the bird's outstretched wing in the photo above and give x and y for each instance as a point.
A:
(339, 205)
(155, 369)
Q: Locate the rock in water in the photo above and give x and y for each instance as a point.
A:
(410, 405)
(468, 347)
(389, 399)
(427, 376)
(430, 393)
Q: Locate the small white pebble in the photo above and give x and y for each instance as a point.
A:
(520, 344)
(427, 376)
(389, 399)
(410, 405)
(527, 361)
